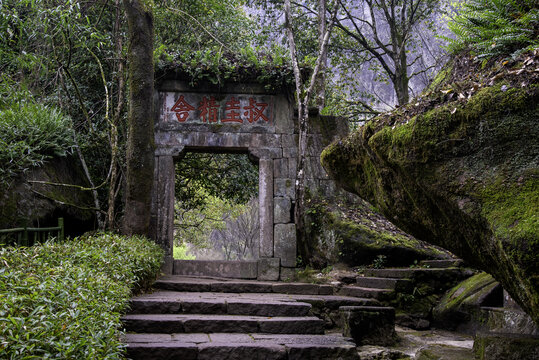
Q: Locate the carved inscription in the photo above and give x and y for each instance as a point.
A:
(214, 109)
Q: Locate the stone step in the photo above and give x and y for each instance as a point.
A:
(239, 346)
(441, 264)
(167, 302)
(383, 283)
(194, 323)
(362, 292)
(200, 284)
(414, 273)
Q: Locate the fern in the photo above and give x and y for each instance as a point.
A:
(495, 27)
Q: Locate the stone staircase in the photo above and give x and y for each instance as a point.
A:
(382, 284)
(209, 318)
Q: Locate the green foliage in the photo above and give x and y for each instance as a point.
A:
(180, 253)
(194, 225)
(379, 262)
(31, 133)
(495, 27)
(64, 300)
(228, 176)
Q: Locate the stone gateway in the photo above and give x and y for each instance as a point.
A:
(239, 118)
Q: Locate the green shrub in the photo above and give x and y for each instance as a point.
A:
(31, 133)
(495, 27)
(64, 300)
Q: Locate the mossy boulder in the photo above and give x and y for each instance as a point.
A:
(352, 233)
(42, 194)
(462, 173)
(462, 304)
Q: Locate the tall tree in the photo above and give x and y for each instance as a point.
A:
(304, 93)
(140, 143)
(384, 30)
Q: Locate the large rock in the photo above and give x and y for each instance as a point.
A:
(461, 306)
(349, 231)
(34, 200)
(461, 172)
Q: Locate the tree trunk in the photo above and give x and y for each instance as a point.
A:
(140, 142)
(401, 80)
(321, 80)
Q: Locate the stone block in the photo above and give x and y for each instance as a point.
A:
(230, 269)
(284, 188)
(280, 168)
(289, 140)
(290, 152)
(369, 325)
(268, 269)
(285, 244)
(292, 167)
(282, 207)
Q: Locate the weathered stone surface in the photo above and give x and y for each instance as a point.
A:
(284, 188)
(489, 346)
(296, 288)
(322, 352)
(155, 350)
(361, 292)
(443, 352)
(280, 168)
(369, 325)
(268, 269)
(383, 283)
(506, 320)
(265, 198)
(267, 308)
(212, 351)
(463, 176)
(282, 210)
(241, 286)
(460, 307)
(285, 244)
(230, 269)
(292, 325)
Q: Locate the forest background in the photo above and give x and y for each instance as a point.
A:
(64, 85)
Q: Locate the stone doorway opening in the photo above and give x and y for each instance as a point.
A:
(216, 206)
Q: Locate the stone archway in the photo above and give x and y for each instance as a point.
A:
(232, 118)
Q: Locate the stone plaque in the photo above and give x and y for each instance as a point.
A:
(200, 108)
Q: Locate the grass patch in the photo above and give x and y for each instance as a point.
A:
(64, 300)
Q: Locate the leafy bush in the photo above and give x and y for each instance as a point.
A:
(31, 133)
(496, 27)
(64, 300)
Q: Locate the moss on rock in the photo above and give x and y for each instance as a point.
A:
(462, 174)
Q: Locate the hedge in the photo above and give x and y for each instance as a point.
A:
(64, 300)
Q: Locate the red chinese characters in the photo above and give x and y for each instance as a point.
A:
(209, 110)
(255, 111)
(231, 109)
(182, 108)
(231, 115)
